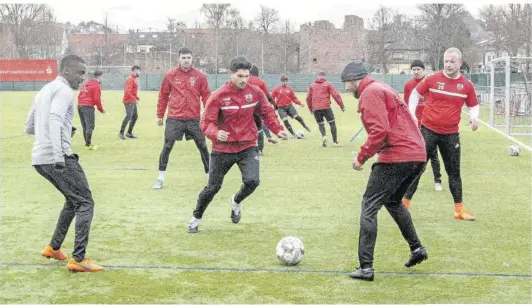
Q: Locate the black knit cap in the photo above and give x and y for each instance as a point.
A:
(97, 73)
(417, 63)
(354, 70)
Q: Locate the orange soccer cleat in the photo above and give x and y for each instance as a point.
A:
(462, 214)
(85, 265)
(49, 252)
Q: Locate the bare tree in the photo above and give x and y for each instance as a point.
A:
(236, 24)
(510, 26)
(442, 27)
(26, 23)
(216, 14)
(493, 21)
(381, 37)
(266, 21)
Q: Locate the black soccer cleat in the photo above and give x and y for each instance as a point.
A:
(193, 229)
(235, 218)
(366, 274)
(131, 136)
(121, 136)
(416, 257)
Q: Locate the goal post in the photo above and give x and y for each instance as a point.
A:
(511, 95)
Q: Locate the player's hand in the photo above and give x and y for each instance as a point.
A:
(302, 106)
(343, 109)
(160, 122)
(356, 165)
(222, 136)
(59, 166)
(474, 125)
(283, 134)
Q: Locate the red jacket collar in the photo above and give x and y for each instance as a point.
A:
(189, 70)
(364, 83)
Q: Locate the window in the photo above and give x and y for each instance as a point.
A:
(398, 55)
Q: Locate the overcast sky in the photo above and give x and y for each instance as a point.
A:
(143, 14)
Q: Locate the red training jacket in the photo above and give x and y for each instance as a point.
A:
(444, 99)
(409, 87)
(391, 130)
(319, 95)
(91, 95)
(284, 96)
(131, 89)
(181, 93)
(231, 110)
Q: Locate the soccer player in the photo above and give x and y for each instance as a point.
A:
(254, 79)
(130, 100)
(182, 92)
(228, 122)
(50, 120)
(445, 94)
(393, 134)
(284, 96)
(319, 103)
(89, 97)
(418, 69)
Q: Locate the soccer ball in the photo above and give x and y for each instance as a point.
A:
(300, 134)
(290, 251)
(514, 150)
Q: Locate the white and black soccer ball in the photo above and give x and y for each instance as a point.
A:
(290, 251)
(300, 134)
(514, 150)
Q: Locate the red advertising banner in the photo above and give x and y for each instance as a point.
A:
(23, 70)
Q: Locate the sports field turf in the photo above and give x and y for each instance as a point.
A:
(139, 234)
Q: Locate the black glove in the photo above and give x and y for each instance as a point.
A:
(59, 166)
(73, 131)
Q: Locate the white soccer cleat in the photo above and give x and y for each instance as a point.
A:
(438, 187)
(158, 185)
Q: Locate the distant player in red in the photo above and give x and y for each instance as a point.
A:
(130, 100)
(418, 70)
(283, 97)
(319, 103)
(90, 96)
(228, 122)
(445, 94)
(183, 90)
(263, 130)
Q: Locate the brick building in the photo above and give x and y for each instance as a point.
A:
(324, 47)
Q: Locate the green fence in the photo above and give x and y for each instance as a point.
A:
(300, 82)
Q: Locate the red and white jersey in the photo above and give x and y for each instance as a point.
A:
(444, 99)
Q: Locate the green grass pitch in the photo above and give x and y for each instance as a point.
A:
(306, 191)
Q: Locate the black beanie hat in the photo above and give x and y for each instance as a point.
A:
(417, 63)
(354, 70)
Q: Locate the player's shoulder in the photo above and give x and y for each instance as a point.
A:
(218, 94)
(436, 76)
(253, 88)
(198, 73)
(466, 81)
